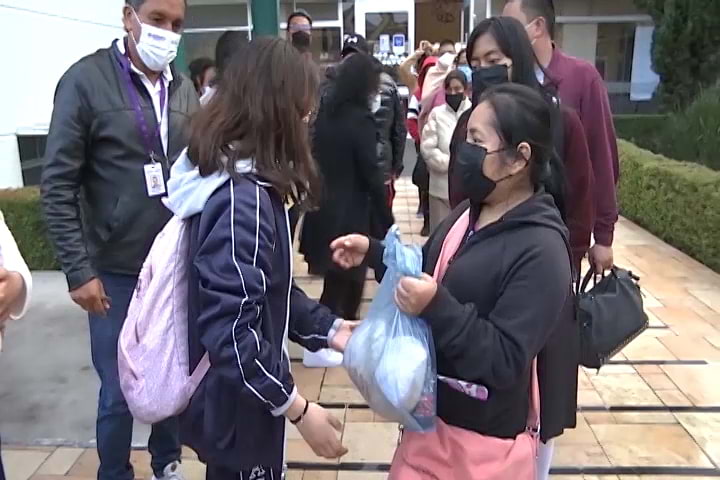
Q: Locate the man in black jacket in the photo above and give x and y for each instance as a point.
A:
(119, 120)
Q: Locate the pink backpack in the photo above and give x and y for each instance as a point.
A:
(153, 358)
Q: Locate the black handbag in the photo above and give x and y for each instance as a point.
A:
(611, 315)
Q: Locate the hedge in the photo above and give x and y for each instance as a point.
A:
(678, 202)
(643, 130)
(23, 215)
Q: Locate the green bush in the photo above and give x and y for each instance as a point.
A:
(23, 215)
(692, 135)
(642, 130)
(677, 201)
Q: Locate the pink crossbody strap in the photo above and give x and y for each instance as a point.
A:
(451, 244)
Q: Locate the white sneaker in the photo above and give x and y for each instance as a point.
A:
(326, 358)
(171, 472)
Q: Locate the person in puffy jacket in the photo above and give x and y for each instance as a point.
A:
(435, 144)
(248, 156)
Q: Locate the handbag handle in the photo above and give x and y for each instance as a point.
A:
(592, 274)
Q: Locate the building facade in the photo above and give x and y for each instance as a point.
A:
(42, 38)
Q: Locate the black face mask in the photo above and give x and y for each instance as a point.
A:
(486, 77)
(455, 100)
(301, 40)
(476, 186)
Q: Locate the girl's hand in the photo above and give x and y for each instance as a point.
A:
(342, 336)
(320, 430)
(350, 251)
(413, 295)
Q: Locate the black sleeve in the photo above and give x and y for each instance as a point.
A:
(65, 159)
(310, 322)
(398, 135)
(497, 350)
(370, 169)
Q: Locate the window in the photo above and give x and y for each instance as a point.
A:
(614, 55)
(327, 29)
(207, 22)
(385, 23)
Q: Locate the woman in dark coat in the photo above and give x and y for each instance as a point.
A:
(345, 147)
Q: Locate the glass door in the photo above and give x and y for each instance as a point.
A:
(388, 26)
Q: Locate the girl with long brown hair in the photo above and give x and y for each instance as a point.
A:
(248, 157)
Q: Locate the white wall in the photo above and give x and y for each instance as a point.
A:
(580, 40)
(40, 39)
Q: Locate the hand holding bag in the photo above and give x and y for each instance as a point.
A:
(611, 315)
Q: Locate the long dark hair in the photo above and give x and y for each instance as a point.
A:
(259, 111)
(358, 77)
(523, 115)
(513, 41)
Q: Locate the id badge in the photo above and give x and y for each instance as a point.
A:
(154, 179)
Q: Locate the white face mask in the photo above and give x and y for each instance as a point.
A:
(157, 47)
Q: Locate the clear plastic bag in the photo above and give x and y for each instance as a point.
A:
(390, 357)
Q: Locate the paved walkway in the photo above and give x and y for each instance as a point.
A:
(653, 414)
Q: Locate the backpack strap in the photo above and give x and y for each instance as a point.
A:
(201, 370)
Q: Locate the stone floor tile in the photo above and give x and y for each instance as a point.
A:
(589, 398)
(87, 465)
(705, 429)
(333, 394)
(337, 377)
(295, 350)
(595, 418)
(650, 445)
(610, 370)
(188, 453)
(644, 418)
(648, 369)
(581, 436)
(673, 398)
(294, 475)
(355, 415)
(22, 464)
(647, 348)
(59, 477)
(691, 348)
(381, 448)
(361, 476)
(299, 451)
(658, 381)
(698, 382)
(309, 380)
(60, 461)
(584, 382)
(319, 475)
(193, 470)
(140, 460)
(624, 390)
(711, 298)
(587, 456)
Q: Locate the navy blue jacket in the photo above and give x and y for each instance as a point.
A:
(243, 306)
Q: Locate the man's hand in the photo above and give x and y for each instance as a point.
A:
(342, 336)
(12, 287)
(601, 258)
(91, 297)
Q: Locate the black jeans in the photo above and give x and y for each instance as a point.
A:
(342, 292)
(215, 472)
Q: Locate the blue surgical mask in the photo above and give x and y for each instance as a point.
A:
(467, 71)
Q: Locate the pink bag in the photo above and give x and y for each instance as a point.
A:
(153, 358)
(452, 452)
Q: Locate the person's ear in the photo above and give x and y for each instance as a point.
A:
(524, 154)
(127, 18)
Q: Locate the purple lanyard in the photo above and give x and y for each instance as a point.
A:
(140, 119)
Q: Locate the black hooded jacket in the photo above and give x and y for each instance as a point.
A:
(504, 293)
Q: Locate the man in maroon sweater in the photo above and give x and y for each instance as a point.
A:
(580, 87)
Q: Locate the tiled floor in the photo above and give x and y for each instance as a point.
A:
(647, 410)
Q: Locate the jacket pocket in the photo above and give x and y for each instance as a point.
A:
(118, 219)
